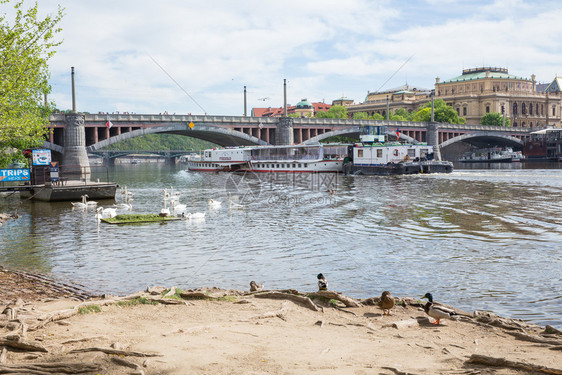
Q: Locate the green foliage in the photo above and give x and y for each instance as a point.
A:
(137, 301)
(335, 111)
(161, 142)
(494, 119)
(25, 47)
(88, 309)
(378, 116)
(137, 218)
(340, 139)
(361, 116)
(442, 113)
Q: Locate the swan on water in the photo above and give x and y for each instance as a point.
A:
(196, 216)
(234, 205)
(214, 204)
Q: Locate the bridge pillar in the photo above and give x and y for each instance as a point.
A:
(433, 139)
(284, 133)
(75, 163)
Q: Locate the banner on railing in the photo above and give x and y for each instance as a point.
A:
(15, 174)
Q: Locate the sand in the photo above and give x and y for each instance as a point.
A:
(234, 332)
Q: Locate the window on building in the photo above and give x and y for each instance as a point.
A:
(464, 111)
(531, 109)
(553, 110)
(531, 124)
(523, 109)
(537, 109)
(542, 109)
(458, 111)
(487, 109)
(515, 109)
(503, 109)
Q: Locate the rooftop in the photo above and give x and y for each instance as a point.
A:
(484, 72)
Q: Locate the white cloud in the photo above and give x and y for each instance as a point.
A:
(324, 48)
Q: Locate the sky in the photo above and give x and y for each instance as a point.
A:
(193, 56)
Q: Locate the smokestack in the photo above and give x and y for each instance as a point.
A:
(73, 90)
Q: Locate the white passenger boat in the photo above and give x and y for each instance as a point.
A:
(297, 158)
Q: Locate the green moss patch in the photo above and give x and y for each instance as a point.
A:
(138, 218)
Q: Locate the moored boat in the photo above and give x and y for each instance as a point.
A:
(393, 158)
(295, 158)
(492, 155)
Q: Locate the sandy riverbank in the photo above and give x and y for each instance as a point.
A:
(233, 332)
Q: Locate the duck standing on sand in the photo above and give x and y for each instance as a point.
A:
(436, 312)
(322, 282)
(386, 302)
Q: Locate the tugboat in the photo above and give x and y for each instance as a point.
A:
(375, 156)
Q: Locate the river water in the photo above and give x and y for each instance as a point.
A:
(484, 238)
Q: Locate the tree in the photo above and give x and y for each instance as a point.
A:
(335, 111)
(361, 116)
(441, 113)
(25, 47)
(494, 119)
(378, 116)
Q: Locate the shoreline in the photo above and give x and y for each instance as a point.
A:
(217, 331)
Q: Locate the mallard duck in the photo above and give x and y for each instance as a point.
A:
(386, 302)
(436, 312)
(255, 287)
(322, 282)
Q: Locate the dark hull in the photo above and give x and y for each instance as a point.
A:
(392, 169)
(70, 193)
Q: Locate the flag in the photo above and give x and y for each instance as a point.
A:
(397, 133)
(109, 124)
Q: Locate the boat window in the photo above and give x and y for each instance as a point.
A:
(412, 152)
(359, 153)
(277, 165)
(379, 153)
(300, 165)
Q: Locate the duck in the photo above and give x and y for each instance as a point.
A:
(322, 282)
(386, 302)
(196, 216)
(214, 204)
(255, 287)
(436, 312)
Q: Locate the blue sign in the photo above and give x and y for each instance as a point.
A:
(18, 174)
(41, 156)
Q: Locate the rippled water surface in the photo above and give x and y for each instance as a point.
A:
(486, 239)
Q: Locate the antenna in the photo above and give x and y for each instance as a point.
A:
(186, 93)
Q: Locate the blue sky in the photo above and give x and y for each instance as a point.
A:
(324, 48)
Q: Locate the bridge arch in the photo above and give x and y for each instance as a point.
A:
(481, 138)
(215, 134)
(354, 131)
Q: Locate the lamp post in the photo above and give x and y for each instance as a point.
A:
(387, 109)
(432, 107)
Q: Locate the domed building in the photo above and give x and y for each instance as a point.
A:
(304, 109)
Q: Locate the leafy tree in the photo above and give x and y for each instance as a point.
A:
(25, 47)
(378, 116)
(441, 112)
(396, 117)
(494, 119)
(335, 111)
(361, 116)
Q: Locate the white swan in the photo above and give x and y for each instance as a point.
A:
(82, 204)
(123, 206)
(109, 212)
(99, 214)
(214, 204)
(196, 216)
(233, 205)
(178, 209)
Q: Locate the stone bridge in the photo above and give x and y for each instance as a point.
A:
(240, 130)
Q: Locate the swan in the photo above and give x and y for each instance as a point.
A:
(99, 214)
(110, 212)
(234, 205)
(178, 209)
(196, 216)
(214, 204)
(123, 206)
(82, 204)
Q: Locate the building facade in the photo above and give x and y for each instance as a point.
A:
(303, 109)
(476, 92)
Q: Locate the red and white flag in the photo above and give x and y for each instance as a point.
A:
(109, 124)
